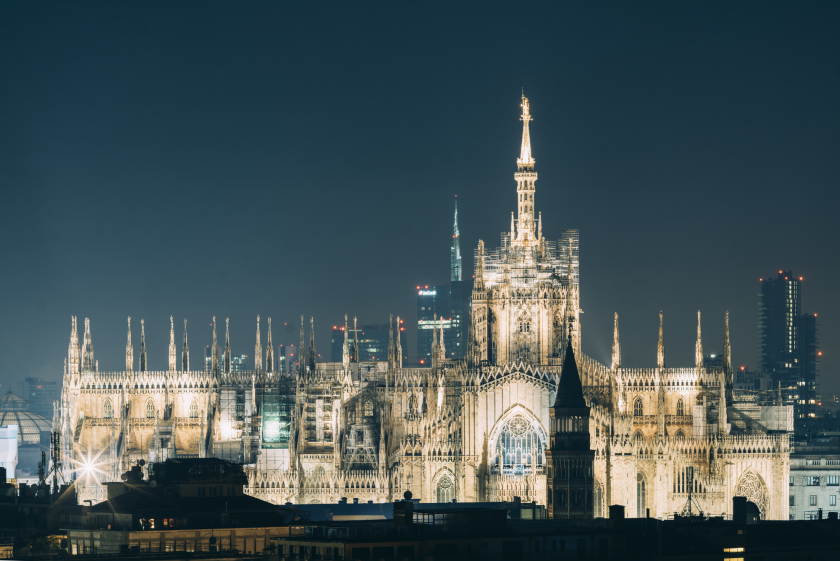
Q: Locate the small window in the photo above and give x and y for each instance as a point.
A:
(792, 500)
(368, 408)
(832, 500)
(680, 407)
(812, 500)
(108, 408)
(151, 413)
(194, 409)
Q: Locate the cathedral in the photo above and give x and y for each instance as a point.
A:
(527, 414)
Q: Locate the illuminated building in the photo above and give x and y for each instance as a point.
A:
(490, 427)
(789, 344)
(431, 317)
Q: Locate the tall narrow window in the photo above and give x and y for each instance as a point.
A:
(680, 407)
(638, 409)
(194, 409)
(150, 409)
(108, 408)
(641, 496)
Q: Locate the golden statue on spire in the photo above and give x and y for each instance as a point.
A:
(526, 108)
(525, 159)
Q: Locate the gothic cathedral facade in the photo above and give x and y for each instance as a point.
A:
(488, 428)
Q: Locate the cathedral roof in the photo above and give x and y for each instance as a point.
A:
(569, 389)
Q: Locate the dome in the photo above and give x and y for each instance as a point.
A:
(30, 425)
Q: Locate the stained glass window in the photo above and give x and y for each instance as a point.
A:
(445, 489)
(520, 447)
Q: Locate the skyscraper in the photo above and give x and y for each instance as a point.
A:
(455, 266)
(431, 315)
(789, 344)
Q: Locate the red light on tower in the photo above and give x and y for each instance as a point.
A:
(742, 368)
(819, 353)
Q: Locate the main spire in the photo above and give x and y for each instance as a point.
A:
(526, 179)
(455, 249)
(525, 159)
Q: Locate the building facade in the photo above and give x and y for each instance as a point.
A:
(789, 345)
(478, 429)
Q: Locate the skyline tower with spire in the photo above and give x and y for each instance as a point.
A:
(455, 263)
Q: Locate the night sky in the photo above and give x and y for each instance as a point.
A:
(237, 158)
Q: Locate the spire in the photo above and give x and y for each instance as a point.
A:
(478, 281)
(227, 358)
(526, 179)
(525, 159)
(392, 350)
(356, 355)
(313, 355)
(269, 352)
(512, 227)
(660, 346)
(399, 343)
(301, 351)
(173, 349)
(455, 269)
(185, 350)
(144, 359)
(345, 347)
(569, 389)
(258, 354)
(214, 349)
(87, 348)
(441, 343)
(539, 226)
(727, 346)
(616, 345)
(74, 362)
(129, 349)
(698, 343)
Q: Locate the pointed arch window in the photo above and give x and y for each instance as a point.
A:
(638, 408)
(641, 496)
(108, 409)
(193, 413)
(520, 447)
(680, 407)
(368, 408)
(445, 491)
(524, 325)
(151, 413)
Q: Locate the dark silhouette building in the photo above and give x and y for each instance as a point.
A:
(569, 458)
(789, 345)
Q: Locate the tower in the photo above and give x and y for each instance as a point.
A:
(258, 349)
(185, 350)
(88, 362)
(526, 179)
(74, 361)
(455, 270)
(144, 364)
(129, 349)
(569, 458)
(269, 352)
(173, 348)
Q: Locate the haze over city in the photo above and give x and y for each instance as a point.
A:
(166, 159)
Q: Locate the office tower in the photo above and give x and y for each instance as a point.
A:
(789, 344)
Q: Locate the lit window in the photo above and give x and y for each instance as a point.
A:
(519, 448)
(638, 409)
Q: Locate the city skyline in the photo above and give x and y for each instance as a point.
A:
(124, 210)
